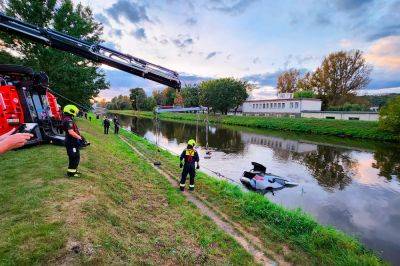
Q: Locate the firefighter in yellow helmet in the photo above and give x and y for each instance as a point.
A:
(190, 158)
(72, 139)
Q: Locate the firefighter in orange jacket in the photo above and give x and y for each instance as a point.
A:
(190, 158)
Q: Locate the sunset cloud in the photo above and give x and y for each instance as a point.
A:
(385, 53)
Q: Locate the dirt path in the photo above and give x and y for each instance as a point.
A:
(249, 242)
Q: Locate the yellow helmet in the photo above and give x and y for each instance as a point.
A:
(192, 142)
(71, 109)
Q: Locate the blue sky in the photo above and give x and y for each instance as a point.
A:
(250, 39)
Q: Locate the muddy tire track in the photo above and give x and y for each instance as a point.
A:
(249, 242)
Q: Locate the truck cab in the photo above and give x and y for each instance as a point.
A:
(27, 103)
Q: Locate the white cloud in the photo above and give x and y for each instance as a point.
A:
(266, 92)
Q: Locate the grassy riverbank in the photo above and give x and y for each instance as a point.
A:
(292, 234)
(121, 211)
(353, 129)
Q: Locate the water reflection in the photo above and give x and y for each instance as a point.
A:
(333, 168)
(388, 163)
(224, 140)
(343, 184)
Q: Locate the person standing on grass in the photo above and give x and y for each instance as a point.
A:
(190, 158)
(72, 139)
(116, 125)
(106, 125)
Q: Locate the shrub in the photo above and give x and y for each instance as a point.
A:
(389, 119)
(304, 94)
(349, 107)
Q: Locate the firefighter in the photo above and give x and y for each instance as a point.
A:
(72, 139)
(116, 125)
(106, 125)
(190, 157)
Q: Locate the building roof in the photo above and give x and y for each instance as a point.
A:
(280, 100)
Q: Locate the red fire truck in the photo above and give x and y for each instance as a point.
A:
(26, 100)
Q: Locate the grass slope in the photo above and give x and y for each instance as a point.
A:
(121, 211)
(295, 235)
(355, 129)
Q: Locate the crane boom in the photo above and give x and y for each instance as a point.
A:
(92, 51)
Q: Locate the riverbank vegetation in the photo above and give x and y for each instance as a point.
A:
(342, 128)
(291, 233)
(121, 211)
(390, 116)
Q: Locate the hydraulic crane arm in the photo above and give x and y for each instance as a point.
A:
(95, 52)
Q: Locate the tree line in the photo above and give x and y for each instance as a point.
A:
(218, 95)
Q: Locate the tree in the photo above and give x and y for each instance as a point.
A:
(340, 76)
(305, 83)
(287, 81)
(138, 98)
(72, 76)
(178, 101)
(190, 94)
(158, 97)
(149, 104)
(168, 96)
(120, 102)
(389, 116)
(223, 94)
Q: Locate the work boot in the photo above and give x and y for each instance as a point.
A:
(73, 173)
(191, 188)
(182, 187)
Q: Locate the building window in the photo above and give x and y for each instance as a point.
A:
(296, 105)
(279, 105)
(330, 117)
(263, 105)
(283, 105)
(274, 105)
(254, 106)
(354, 118)
(291, 105)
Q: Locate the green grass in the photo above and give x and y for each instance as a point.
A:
(354, 129)
(295, 235)
(121, 211)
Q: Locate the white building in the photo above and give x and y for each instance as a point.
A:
(283, 105)
(342, 115)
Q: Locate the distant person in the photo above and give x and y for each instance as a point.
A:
(85, 114)
(90, 118)
(190, 157)
(106, 125)
(10, 141)
(116, 125)
(72, 139)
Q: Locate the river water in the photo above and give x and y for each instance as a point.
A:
(351, 185)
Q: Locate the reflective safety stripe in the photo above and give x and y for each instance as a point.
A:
(182, 185)
(71, 170)
(191, 185)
